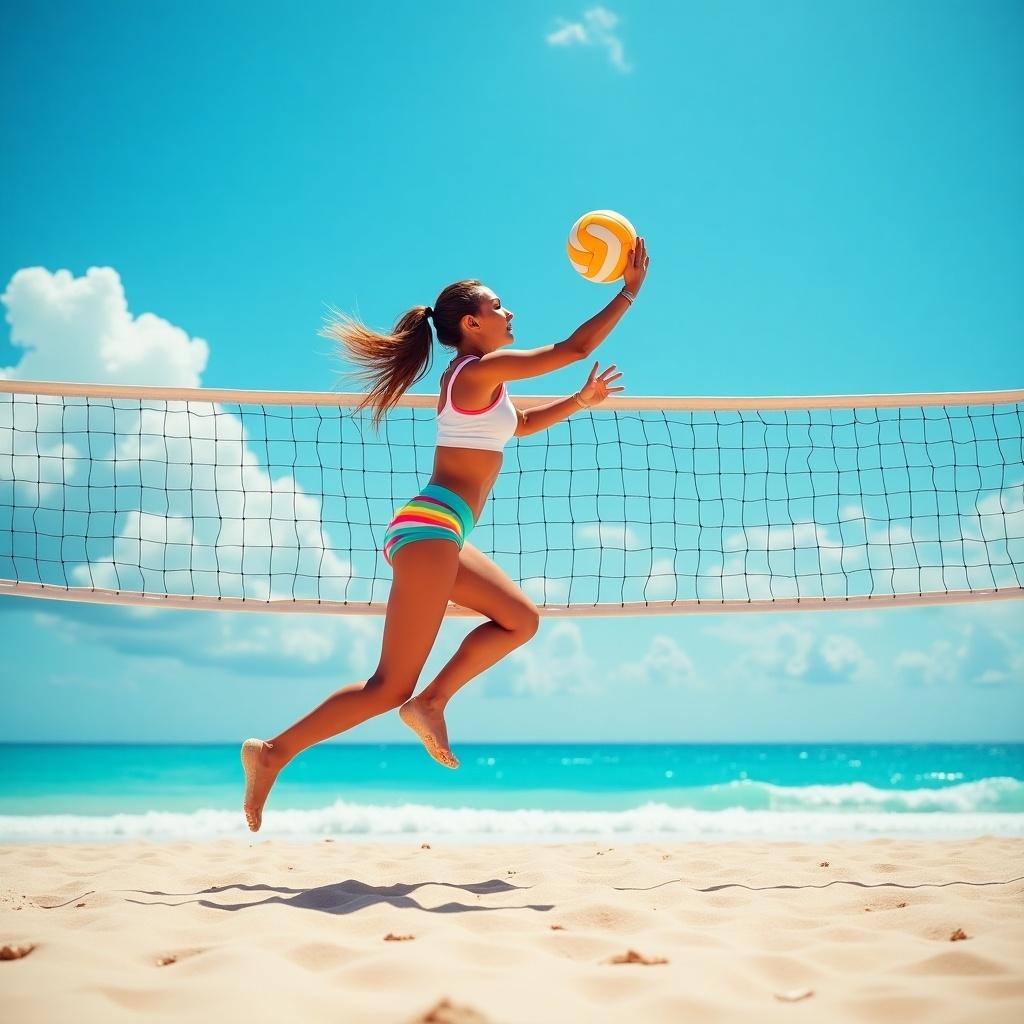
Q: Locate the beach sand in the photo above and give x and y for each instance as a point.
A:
(353, 932)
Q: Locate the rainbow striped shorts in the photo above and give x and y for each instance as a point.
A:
(435, 514)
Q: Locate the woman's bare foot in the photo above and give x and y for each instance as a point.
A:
(428, 723)
(261, 771)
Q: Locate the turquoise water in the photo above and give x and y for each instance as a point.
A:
(519, 791)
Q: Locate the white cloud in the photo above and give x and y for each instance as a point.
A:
(203, 508)
(235, 531)
(939, 664)
(278, 646)
(841, 654)
(542, 589)
(781, 652)
(208, 517)
(610, 535)
(662, 584)
(664, 662)
(978, 549)
(570, 32)
(801, 536)
(80, 329)
(596, 29)
(555, 661)
(999, 516)
(986, 650)
(968, 654)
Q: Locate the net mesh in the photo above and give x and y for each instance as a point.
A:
(259, 503)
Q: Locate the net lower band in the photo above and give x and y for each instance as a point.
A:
(281, 502)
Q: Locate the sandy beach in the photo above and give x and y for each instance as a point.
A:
(334, 930)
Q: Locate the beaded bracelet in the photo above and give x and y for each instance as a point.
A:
(580, 402)
(627, 295)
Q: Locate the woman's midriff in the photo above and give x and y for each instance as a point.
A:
(469, 472)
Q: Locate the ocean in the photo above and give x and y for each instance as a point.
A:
(542, 792)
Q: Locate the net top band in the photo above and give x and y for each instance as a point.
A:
(638, 403)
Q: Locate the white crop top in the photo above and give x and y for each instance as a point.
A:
(488, 428)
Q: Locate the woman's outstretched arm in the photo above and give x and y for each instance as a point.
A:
(595, 391)
(589, 335)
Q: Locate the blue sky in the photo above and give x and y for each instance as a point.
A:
(832, 199)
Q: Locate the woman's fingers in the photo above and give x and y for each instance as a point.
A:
(639, 255)
(606, 377)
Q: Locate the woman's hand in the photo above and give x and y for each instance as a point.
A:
(596, 389)
(636, 266)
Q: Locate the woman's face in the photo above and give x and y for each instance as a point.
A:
(493, 322)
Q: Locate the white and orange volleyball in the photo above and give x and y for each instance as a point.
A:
(599, 244)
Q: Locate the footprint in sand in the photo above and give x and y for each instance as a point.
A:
(447, 1012)
(631, 956)
(15, 952)
(166, 959)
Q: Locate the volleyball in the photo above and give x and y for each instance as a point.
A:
(599, 244)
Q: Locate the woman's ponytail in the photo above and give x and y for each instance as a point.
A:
(391, 363)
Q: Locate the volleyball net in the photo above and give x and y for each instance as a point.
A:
(279, 502)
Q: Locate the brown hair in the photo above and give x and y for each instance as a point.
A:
(392, 363)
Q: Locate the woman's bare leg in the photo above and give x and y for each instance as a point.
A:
(479, 650)
(485, 587)
(424, 574)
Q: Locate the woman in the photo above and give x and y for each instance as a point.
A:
(474, 421)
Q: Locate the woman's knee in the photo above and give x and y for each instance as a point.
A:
(526, 622)
(389, 693)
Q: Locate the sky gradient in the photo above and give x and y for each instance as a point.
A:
(832, 197)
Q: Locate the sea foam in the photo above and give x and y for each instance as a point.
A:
(650, 822)
(994, 794)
